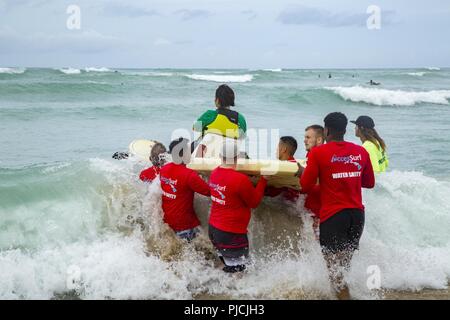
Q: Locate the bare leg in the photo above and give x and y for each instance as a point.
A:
(337, 263)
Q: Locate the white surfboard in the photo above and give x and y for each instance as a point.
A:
(205, 159)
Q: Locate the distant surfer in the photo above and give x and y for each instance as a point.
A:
(372, 142)
(373, 83)
(329, 76)
(342, 168)
(233, 196)
(179, 184)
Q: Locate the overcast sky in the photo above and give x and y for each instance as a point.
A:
(224, 34)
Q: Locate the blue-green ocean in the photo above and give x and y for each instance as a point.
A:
(75, 221)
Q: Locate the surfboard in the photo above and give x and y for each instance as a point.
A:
(205, 159)
(141, 149)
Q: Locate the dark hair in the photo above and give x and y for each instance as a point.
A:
(336, 123)
(318, 129)
(225, 95)
(176, 149)
(157, 149)
(290, 142)
(373, 136)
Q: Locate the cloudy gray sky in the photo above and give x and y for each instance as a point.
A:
(224, 34)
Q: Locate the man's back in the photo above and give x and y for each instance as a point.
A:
(343, 168)
(178, 185)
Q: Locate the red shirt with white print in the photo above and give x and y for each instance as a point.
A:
(233, 196)
(343, 168)
(178, 185)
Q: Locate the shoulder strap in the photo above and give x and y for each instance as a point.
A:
(232, 115)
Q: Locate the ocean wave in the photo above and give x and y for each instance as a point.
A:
(433, 68)
(64, 223)
(416, 74)
(221, 78)
(93, 69)
(12, 70)
(385, 97)
(70, 71)
(273, 70)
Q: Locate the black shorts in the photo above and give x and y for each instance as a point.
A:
(342, 231)
(233, 247)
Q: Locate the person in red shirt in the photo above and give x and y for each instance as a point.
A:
(233, 196)
(157, 159)
(178, 184)
(343, 168)
(287, 146)
(314, 137)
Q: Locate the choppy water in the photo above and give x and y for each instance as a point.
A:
(65, 205)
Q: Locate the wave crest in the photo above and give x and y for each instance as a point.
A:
(221, 78)
(12, 70)
(383, 97)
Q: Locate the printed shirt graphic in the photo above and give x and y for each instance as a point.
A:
(233, 196)
(343, 168)
(178, 185)
(378, 157)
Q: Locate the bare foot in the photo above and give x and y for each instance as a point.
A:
(344, 294)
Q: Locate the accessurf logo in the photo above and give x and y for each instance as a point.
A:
(351, 159)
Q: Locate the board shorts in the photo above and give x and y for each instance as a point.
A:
(189, 234)
(232, 248)
(342, 231)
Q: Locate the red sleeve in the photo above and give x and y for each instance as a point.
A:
(311, 173)
(250, 195)
(148, 175)
(368, 177)
(198, 185)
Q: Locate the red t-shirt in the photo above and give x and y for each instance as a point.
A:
(178, 185)
(312, 200)
(148, 175)
(288, 193)
(233, 196)
(343, 168)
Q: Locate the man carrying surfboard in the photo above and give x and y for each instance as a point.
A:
(157, 160)
(233, 196)
(343, 168)
(222, 121)
(178, 185)
(314, 137)
(287, 146)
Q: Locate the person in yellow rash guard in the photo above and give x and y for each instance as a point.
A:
(223, 120)
(372, 142)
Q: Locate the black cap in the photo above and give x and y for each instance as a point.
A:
(365, 122)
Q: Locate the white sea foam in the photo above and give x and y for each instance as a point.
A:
(273, 70)
(221, 78)
(93, 69)
(12, 70)
(434, 68)
(406, 236)
(382, 97)
(70, 71)
(416, 74)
